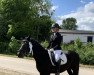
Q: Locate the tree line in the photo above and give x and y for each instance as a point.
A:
(20, 18)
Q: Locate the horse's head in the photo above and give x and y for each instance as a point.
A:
(26, 48)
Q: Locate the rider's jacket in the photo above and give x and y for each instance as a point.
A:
(55, 41)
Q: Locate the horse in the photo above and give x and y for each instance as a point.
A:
(43, 63)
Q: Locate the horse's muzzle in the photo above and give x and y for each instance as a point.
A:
(19, 54)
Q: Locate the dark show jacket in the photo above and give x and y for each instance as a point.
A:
(55, 41)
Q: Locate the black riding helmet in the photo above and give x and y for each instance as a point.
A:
(55, 25)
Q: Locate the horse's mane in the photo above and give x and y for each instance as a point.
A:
(36, 43)
(38, 48)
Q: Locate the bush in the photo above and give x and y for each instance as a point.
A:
(44, 44)
(88, 58)
(87, 54)
(68, 47)
(77, 43)
(3, 47)
(14, 45)
(85, 51)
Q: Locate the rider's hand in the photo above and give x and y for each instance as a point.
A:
(51, 49)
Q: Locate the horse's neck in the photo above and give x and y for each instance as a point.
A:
(39, 53)
(37, 48)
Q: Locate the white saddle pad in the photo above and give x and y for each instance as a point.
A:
(58, 55)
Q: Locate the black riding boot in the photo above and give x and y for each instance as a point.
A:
(58, 67)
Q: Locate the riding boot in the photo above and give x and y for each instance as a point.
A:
(58, 67)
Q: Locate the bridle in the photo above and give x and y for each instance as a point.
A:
(30, 46)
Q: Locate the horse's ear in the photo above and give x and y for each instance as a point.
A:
(28, 38)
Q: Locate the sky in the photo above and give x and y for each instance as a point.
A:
(82, 10)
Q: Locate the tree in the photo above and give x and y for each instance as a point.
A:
(44, 27)
(3, 28)
(69, 24)
(26, 17)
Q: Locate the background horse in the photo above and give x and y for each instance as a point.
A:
(43, 63)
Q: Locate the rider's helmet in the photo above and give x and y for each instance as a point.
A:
(55, 25)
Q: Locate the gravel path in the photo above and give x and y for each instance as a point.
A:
(18, 66)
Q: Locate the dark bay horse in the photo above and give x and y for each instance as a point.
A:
(43, 63)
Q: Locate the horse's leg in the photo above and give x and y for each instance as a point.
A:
(76, 70)
(57, 73)
(69, 71)
(75, 65)
(58, 67)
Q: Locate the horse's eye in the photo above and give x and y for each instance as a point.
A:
(25, 42)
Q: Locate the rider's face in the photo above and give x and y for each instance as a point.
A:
(55, 30)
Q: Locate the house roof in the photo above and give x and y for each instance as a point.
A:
(76, 31)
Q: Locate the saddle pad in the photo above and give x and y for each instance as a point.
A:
(58, 55)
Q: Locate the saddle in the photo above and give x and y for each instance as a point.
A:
(57, 55)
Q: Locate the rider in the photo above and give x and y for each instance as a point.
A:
(56, 38)
(55, 42)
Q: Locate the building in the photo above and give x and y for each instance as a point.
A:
(71, 35)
